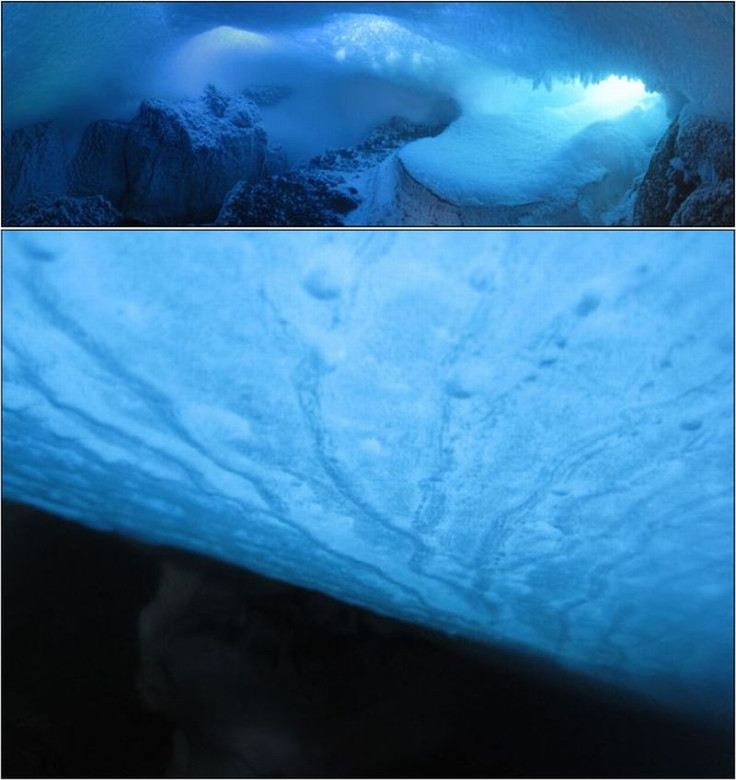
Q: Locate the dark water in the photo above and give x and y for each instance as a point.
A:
(71, 599)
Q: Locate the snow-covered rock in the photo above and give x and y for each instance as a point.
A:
(689, 181)
(66, 211)
(328, 189)
(182, 160)
(656, 196)
(174, 163)
(267, 96)
(709, 206)
(35, 164)
(295, 199)
(99, 167)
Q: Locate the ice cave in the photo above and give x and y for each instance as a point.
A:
(368, 114)
(523, 439)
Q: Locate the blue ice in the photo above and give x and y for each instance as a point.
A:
(523, 438)
(103, 58)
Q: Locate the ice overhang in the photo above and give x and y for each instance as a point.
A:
(524, 438)
(66, 53)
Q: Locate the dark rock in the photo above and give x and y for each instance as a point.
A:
(295, 199)
(710, 206)
(99, 166)
(706, 147)
(322, 192)
(653, 205)
(265, 97)
(182, 159)
(175, 162)
(35, 164)
(382, 141)
(276, 161)
(216, 102)
(689, 181)
(66, 211)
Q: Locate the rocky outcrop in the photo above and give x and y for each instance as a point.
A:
(175, 162)
(99, 166)
(653, 204)
(35, 164)
(182, 160)
(195, 162)
(709, 206)
(689, 181)
(66, 211)
(267, 96)
(384, 139)
(295, 199)
(326, 190)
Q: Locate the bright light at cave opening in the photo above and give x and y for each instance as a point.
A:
(615, 95)
(571, 99)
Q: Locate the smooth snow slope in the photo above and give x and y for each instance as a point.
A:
(522, 438)
(543, 155)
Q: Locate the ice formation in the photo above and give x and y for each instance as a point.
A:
(524, 438)
(97, 48)
(559, 106)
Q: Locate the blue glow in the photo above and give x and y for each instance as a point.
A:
(493, 92)
(545, 141)
(616, 95)
(524, 114)
(521, 437)
(61, 56)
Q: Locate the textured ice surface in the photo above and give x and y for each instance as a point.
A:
(523, 438)
(56, 57)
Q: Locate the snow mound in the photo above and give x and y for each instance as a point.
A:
(547, 156)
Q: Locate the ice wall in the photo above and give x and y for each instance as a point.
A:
(79, 61)
(681, 46)
(523, 438)
(108, 56)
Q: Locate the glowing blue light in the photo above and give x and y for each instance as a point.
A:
(492, 92)
(522, 437)
(218, 56)
(615, 95)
